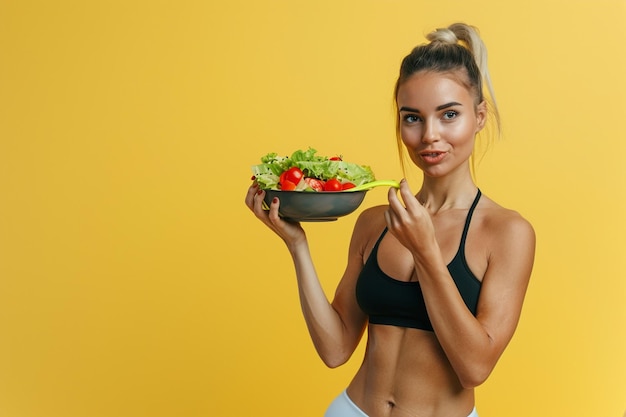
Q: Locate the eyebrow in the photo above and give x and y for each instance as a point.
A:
(443, 106)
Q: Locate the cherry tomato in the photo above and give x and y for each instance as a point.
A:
(287, 185)
(332, 185)
(294, 174)
(335, 158)
(347, 185)
(282, 178)
(314, 183)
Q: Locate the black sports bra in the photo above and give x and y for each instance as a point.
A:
(389, 301)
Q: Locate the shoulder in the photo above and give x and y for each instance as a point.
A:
(505, 223)
(372, 218)
(369, 225)
(373, 214)
(510, 235)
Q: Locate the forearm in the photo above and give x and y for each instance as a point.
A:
(465, 341)
(324, 323)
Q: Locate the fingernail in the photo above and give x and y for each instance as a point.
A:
(275, 200)
(252, 178)
(260, 191)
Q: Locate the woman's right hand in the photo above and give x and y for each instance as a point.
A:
(290, 232)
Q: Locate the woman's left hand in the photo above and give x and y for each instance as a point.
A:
(410, 222)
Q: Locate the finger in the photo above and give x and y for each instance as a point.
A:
(410, 202)
(252, 190)
(396, 211)
(273, 212)
(395, 204)
(258, 209)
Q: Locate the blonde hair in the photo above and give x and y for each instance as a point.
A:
(455, 48)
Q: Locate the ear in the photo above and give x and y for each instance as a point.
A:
(481, 115)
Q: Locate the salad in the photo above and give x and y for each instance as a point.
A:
(306, 171)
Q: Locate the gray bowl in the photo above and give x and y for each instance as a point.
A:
(308, 206)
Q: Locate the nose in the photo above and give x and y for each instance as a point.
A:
(430, 133)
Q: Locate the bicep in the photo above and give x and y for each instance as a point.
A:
(505, 282)
(345, 303)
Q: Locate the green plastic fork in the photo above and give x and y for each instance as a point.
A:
(370, 185)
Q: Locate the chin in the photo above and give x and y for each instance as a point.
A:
(436, 171)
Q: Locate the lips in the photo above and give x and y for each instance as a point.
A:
(432, 157)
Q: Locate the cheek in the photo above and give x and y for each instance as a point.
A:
(410, 136)
(411, 142)
(463, 134)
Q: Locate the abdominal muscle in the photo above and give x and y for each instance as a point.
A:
(407, 375)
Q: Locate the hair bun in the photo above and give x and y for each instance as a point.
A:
(443, 35)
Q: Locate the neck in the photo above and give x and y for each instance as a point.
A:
(439, 194)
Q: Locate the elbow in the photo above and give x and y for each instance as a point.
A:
(334, 359)
(332, 364)
(475, 377)
(471, 383)
(474, 371)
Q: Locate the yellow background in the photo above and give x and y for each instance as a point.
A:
(133, 280)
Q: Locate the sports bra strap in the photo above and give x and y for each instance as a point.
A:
(468, 220)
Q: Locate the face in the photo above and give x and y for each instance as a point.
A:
(439, 119)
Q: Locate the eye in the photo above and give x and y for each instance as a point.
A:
(411, 118)
(450, 114)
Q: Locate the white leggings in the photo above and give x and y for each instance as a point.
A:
(343, 406)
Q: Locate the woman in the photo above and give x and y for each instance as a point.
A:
(438, 278)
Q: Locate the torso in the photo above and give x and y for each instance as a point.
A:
(391, 301)
(405, 371)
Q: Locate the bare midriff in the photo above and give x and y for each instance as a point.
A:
(407, 375)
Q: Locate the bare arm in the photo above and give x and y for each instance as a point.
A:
(335, 328)
(473, 345)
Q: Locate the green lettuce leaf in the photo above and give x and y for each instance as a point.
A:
(267, 173)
